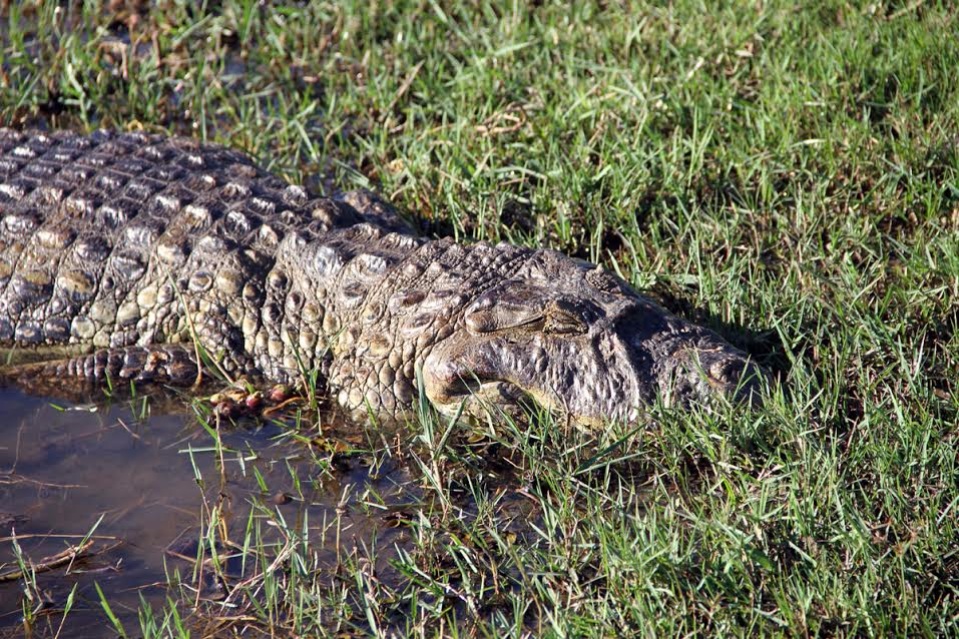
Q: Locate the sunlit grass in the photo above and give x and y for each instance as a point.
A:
(786, 175)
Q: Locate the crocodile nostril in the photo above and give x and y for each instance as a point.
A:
(727, 371)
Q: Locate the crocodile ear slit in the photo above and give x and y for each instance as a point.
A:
(563, 324)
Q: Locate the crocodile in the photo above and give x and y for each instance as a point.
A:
(137, 257)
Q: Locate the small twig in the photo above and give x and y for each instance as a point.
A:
(11, 479)
(273, 409)
(16, 458)
(403, 89)
(49, 563)
(127, 429)
(52, 536)
(907, 9)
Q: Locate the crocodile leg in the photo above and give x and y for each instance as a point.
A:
(10, 357)
(174, 364)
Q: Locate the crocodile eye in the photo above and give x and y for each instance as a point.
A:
(510, 307)
(522, 308)
(503, 317)
(508, 313)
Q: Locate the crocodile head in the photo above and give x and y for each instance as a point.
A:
(578, 341)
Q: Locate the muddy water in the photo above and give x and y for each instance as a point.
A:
(149, 479)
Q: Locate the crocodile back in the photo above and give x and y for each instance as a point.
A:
(101, 235)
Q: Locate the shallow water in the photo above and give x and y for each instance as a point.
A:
(149, 479)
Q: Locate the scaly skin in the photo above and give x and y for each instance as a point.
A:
(127, 251)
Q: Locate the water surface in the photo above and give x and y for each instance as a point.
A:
(143, 480)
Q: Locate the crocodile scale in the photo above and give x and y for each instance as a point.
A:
(128, 255)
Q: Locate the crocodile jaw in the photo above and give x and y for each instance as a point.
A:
(568, 378)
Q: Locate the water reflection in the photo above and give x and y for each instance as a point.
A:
(149, 480)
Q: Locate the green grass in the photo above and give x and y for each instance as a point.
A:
(786, 175)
